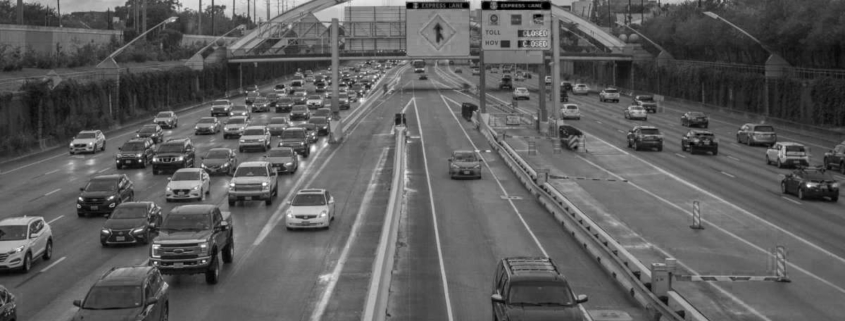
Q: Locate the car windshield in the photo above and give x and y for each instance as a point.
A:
(126, 212)
(571, 107)
(251, 171)
(637, 108)
(317, 120)
(100, 186)
(285, 100)
(132, 147)
(148, 129)
(179, 221)
(261, 99)
(163, 115)
(309, 200)
(650, 131)
(252, 94)
(645, 98)
(207, 121)
(293, 134)
(281, 152)
(767, 129)
(254, 131)
(114, 297)
(299, 108)
(86, 136)
(217, 154)
(540, 293)
(611, 91)
(278, 120)
(581, 86)
(240, 109)
(314, 97)
(170, 148)
(465, 157)
(696, 114)
(186, 176)
(280, 86)
(235, 121)
(219, 103)
(818, 176)
(12, 232)
(795, 148)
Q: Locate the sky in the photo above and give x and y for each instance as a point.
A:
(68, 6)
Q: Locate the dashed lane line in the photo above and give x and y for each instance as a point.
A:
(791, 200)
(679, 155)
(728, 174)
(54, 264)
(53, 191)
(55, 219)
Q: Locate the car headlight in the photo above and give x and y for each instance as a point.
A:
(323, 213)
(138, 230)
(70, 145)
(455, 166)
(835, 185)
(811, 184)
(243, 141)
(478, 166)
(138, 155)
(204, 247)
(90, 144)
(195, 188)
(155, 159)
(180, 158)
(231, 184)
(261, 139)
(155, 250)
(197, 127)
(265, 184)
(17, 249)
(105, 231)
(289, 214)
(168, 189)
(110, 198)
(289, 164)
(203, 166)
(80, 199)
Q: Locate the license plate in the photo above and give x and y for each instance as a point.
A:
(466, 172)
(248, 198)
(128, 162)
(177, 265)
(180, 193)
(120, 238)
(94, 208)
(305, 223)
(824, 187)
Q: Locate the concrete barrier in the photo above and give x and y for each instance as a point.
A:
(623, 267)
(375, 307)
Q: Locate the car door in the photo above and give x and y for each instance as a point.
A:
(206, 181)
(773, 152)
(219, 233)
(37, 239)
(792, 182)
(685, 139)
(499, 308)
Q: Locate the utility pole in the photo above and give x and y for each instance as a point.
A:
(268, 10)
(609, 21)
(234, 23)
(255, 10)
(213, 11)
(199, 19)
(628, 16)
(642, 12)
(135, 16)
(59, 10)
(20, 12)
(248, 12)
(144, 18)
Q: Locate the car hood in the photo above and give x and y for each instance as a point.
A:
(96, 194)
(240, 112)
(519, 313)
(249, 179)
(174, 154)
(107, 315)
(157, 119)
(214, 161)
(304, 210)
(124, 223)
(7, 246)
(314, 101)
(286, 104)
(193, 236)
(280, 160)
(83, 141)
(299, 112)
(183, 184)
(255, 137)
(205, 125)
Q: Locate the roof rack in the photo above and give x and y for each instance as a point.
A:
(531, 264)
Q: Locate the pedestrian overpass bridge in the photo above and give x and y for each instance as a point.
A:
(296, 35)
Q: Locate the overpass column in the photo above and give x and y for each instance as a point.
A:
(544, 115)
(555, 69)
(482, 76)
(336, 123)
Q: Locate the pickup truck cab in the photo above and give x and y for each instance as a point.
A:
(192, 239)
(221, 107)
(254, 181)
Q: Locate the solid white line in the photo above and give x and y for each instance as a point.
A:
(103, 170)
(410, 101)
(734, 158)
(54, 264)
(51, 172)
(728, 174)
(791, 200)
(353, 234)
(679, 155)
(53, 191)
(55, 219)
(434, 219)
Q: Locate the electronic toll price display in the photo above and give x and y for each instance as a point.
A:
(516, 25)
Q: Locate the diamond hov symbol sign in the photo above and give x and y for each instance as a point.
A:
(437, 28)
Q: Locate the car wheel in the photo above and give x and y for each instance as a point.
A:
(104, 147)
(269, 200)
(229, 252)
(144, 162)
(705, 126)
(780, 165)
(636, 146)
(27, 263)
(801, 194)
(231, 203)
(768, 161)
(660, 148)
(146, 237)
(48, 250)
(165, 313)
(119, 166)
(783, 188)
(834, 198)
(212, 275)
(738, 141)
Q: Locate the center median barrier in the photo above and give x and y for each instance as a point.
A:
(625, 269)
(375, 307)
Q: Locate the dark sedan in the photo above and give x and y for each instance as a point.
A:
(700, 141)
(220, 161)
(811, 183)
(131, 223)
(153, 131)
(695, 119)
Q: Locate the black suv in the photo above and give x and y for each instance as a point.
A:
(135, 152)
(174, 154)
(103, 193)
(532, 288)
(296, 138)
(131, 223)
(641, 137)
(126, 293)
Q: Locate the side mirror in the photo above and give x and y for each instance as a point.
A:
(289, 202)
(497, 298)
(152, 301)
(451, 159)
(224, 224)
(168, 179)
(82, 189)
(77, 303)
(581, 298)
(120, 148)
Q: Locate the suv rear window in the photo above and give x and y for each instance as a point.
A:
(611, 91)
(132, 147)
(794, 148)
(650, 131)
(764, 129)
(540, 293)
(293, 134)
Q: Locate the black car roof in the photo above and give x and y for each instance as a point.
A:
(127, 275)
(110, 177)
(193, 209)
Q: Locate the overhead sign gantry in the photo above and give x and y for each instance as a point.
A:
(515, 31)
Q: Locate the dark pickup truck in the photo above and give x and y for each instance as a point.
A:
(192, 239)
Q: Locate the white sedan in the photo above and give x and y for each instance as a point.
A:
(188, 183)
(521, 93)
(636, 112)
(570, 111)
(581, 89)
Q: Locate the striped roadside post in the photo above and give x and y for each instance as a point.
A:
(696, 216)
(780, 264)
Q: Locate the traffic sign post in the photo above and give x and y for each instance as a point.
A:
(437, 29)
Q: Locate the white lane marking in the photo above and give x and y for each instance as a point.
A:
(682, 210)
(434, 219)
(621, 131)
(598, 122)
(679, 155)
(410, 101)
(842, 178)
(103, 170)
(53, 191)
(51, 172)
(55, 219)
(722, 229)
(30, 164)
(54, 264)
(728, 174)
(791, 200)
(734, 158)
(344, 254)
